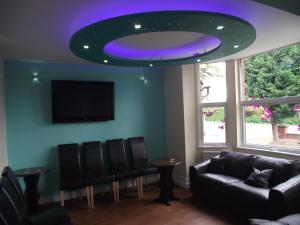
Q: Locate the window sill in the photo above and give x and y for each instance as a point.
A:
(214, 146)
(289, 152)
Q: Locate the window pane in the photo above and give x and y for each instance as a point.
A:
(272, 74)
(214, 125)
(213, 82)
(275, 125)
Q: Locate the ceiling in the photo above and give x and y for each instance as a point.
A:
(41, 30)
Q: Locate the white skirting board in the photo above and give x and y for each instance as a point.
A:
(98, 189)
(181, 181)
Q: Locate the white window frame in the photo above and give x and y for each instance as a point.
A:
(267, 101)
(200, 107)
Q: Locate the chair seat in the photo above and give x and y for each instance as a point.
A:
(102, 180)
(54, 216)
(71, 184)
(148, 171)
(127, 175)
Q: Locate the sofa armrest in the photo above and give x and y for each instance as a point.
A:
(285, 197)
(199, 168)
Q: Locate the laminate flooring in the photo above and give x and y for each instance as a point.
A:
(134, 211)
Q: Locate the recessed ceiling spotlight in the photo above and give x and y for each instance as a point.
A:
(198, 60)
(105, 61)
(220, 27)
(35, 74)
(86, 46)
(137, 26)
(151, 65)
(236, 46)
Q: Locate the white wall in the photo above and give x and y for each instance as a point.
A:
(175, 141)
(3, 147)
(180, 108)
(189, 80)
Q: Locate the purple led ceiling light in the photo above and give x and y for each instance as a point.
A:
(130, 49)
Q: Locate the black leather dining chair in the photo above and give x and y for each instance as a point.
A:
(9, 174)
(119, 165)
(8, 211)
(71, 177)
(51, 216)
(94, 168)
(140, 159)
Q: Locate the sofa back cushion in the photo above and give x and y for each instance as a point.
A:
(238, 164)
(281, 168)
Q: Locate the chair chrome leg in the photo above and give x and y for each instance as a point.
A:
(87, 189)
(62, 200)
(92, 197)
(141, 187)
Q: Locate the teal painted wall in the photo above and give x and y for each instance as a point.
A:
(33, 139)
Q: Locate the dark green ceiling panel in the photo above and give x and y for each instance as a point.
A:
(292, 6)
(236, 32)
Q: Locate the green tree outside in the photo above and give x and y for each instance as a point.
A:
(271, 75)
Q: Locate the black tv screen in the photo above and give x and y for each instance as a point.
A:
(82, 101)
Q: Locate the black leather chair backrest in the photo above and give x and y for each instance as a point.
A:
(7, 172)
(69, 159)
(138, 152)
(93, 157)
(117, 156)
(9, 211)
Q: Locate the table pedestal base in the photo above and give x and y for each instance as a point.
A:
(32, 193)
(166, 185)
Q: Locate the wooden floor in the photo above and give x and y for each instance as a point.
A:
(133, 211)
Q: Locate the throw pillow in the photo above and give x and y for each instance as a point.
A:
(265, 222)
(217, 165)
(259, 178)
(238, 165)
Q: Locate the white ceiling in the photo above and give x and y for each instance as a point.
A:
(40, 30)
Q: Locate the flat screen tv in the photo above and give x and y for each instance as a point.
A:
(82, 101)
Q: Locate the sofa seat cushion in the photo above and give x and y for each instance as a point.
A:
(238, 164)
(213, 183)
(247, 196)
(217, 178)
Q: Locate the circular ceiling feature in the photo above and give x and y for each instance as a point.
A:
(162, 38)
(163, 45)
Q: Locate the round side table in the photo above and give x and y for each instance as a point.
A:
(166, 184)
(31, 177)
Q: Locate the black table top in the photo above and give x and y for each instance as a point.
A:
(165, 162)
(31, 171)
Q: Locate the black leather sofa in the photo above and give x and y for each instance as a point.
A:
(229, 189)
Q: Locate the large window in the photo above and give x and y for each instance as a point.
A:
(212, 103)
(270, 94)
